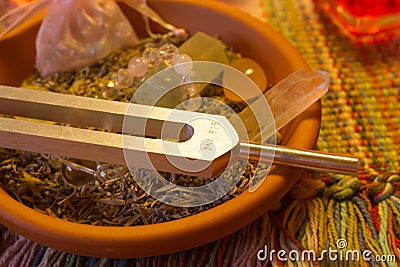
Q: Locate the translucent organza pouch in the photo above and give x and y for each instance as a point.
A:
(75, 33)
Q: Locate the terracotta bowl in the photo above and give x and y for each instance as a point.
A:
(248, 36)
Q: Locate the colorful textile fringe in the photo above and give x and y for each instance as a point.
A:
(360, 115)
(322, 213)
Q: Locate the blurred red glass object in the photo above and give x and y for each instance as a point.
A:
(365, 17)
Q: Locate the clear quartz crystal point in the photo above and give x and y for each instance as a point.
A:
(296, 93)
(287, 99)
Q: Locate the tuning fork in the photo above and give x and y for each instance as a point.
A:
(151, 137)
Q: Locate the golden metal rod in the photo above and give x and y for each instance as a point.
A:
(307, 159)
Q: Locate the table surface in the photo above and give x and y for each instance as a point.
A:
(357, 214)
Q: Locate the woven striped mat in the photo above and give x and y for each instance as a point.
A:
(325, 220)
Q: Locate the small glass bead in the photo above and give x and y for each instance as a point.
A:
(167, 51)
(191, 101)
(110, 91)
(191, 81)
(123, 78)
(78, 172)
(190, 77)
(151, 56)
(137, 67)
(182, 63)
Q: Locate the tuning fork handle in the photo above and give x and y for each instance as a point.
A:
(307, 159)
